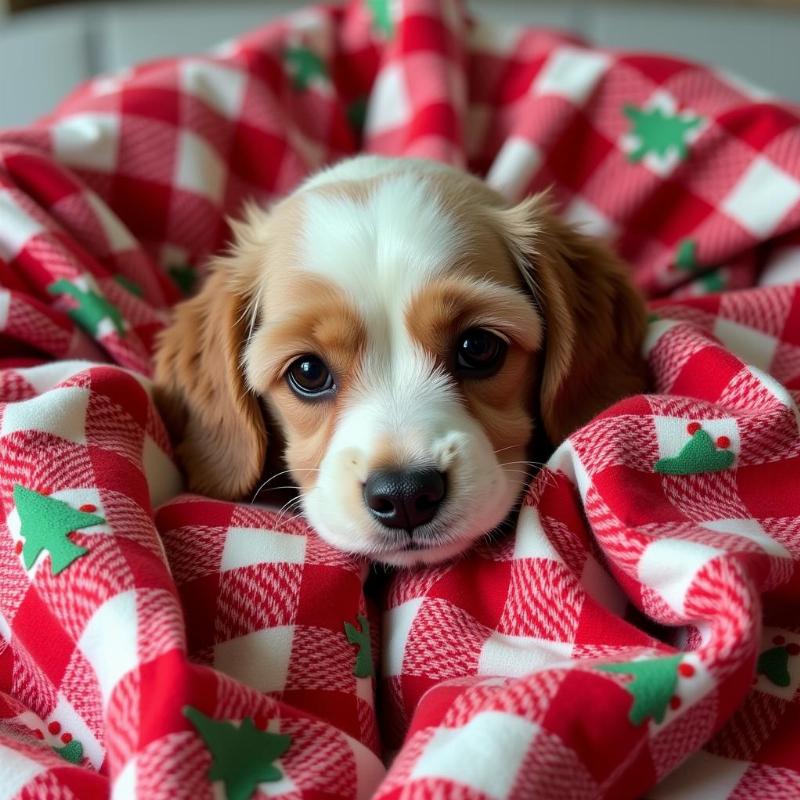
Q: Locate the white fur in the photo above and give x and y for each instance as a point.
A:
(381, 252)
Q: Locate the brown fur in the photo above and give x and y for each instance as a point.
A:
(216, 421)
(594, 318)
(588, 354)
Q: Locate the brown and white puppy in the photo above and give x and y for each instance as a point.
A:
(405, 330)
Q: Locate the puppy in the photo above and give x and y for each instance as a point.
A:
(406, 333)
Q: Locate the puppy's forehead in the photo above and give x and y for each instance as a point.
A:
(385, 236)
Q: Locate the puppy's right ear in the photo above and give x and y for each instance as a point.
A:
(215, 420)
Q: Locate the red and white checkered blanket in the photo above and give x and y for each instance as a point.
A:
(637, 635)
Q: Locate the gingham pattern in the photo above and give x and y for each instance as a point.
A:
(497, 674)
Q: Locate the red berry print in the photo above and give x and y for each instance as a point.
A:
(38, 734)
(674, 702)
(779, 640)
(18, 547)
(692, 428)
(793, 648)
(54, 728)
(66, 738)
(686, 670)
(723, 442)
(89, 508)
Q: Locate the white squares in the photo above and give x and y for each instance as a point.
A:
(748, 529)
(124, 786)
(673, 435)
(118, 236)
(48, 376)
(60, 412)
(109, 641)
(702, 776)
(245, 547)
(163, 479)
(69, 718)
(783, 268)
(752, 346)
(655, 330)
(669, 567)
(17, 770)
(531, 540)
(5, 307)
(17, 227)
(572, 73)
(87, 140)
(514, 167)
(222, 87)
(397, 624)
(762, 197)
(388, 103)
(471, 755)
(517, 656)
(259, 659)
(589, 219)
(199, 168)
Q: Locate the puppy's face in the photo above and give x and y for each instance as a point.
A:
(384, 316)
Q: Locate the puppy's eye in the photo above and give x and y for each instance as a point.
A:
(309, 378)
(479, 353)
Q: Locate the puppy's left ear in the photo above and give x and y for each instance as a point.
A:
(594, 318)
(214, 418)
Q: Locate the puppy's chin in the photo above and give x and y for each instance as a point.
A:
(425, 556)
(463, 523)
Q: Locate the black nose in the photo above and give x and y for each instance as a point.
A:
(404, 498)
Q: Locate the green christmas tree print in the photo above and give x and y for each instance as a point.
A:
(304, 65)
(92, 308)
(45, 524)
(698, 455)
(773, 663)
(653, 685)
(184, 277)
(363, 667)
(659, 133)
(126, 283)
(243, 756)
(686, 258)
(72, 752)
(382, 16)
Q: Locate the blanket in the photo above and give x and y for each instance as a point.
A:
(635, 635)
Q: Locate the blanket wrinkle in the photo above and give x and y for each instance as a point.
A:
(634, 635)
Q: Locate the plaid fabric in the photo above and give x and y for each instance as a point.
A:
(635, 635)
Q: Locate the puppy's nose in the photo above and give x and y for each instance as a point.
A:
(404, 498)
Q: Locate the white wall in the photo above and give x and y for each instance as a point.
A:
(44, 53)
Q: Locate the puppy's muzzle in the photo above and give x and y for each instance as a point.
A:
(405, 498)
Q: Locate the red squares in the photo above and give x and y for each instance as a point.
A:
(42, 635)
(578, 152)
(757, 125)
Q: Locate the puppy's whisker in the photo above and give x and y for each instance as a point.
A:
(536, 464)
(275, 477)
(288, 507)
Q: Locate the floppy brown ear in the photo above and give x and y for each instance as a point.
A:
(216, 421)
(594, 318)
